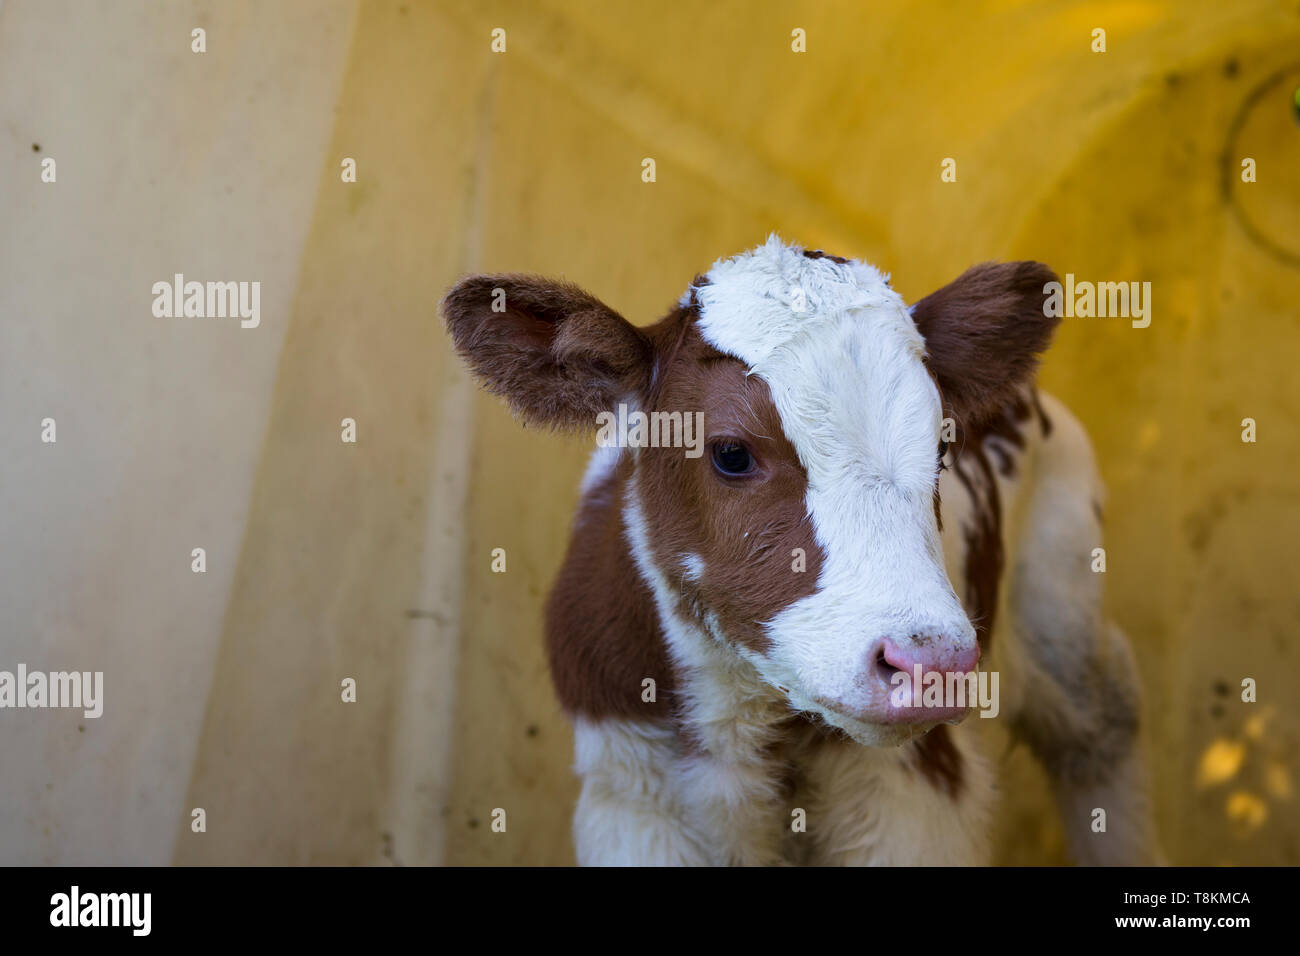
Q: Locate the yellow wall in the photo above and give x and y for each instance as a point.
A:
(373, 561)
(1104, 165)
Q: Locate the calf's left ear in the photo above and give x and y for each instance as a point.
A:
(984, 332)
(557, 355)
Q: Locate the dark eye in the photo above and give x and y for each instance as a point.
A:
(732, 458)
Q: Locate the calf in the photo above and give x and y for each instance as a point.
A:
(730, 629)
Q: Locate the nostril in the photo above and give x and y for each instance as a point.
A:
(895, 658)
(936, 654)
(887, 669)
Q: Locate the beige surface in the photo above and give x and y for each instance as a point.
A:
(167, 161)
(371, 561)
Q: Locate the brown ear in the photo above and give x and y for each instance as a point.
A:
(984, 332)
(558, 355)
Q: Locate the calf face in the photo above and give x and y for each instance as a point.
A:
(805, 538)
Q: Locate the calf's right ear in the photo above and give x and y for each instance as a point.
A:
(558, 355)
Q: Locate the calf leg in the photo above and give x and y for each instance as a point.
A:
(1077, 695)
(1082, 725)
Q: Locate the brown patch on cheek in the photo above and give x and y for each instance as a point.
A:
(745, 530)
(602, 630)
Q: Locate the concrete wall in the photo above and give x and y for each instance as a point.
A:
(329, 560)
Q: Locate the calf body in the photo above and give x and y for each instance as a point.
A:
(882, 493)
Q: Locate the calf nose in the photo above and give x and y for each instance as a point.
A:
(934, 655)
(907, 701)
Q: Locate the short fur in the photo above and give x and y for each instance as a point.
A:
(766, 673)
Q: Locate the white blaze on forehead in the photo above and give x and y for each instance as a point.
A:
(843, 361)
(756, 302)
(841, 356)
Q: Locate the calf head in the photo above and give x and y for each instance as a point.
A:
(804, 539)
